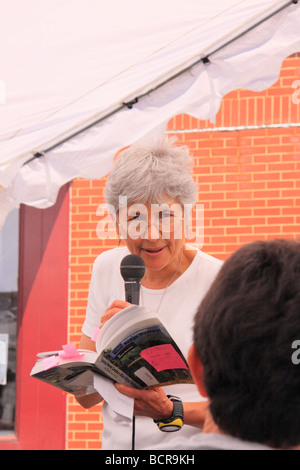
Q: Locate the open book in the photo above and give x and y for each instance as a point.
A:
(133, 348)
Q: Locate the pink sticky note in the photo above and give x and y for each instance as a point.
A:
(69, 351)
(163, 357)
(95, 334)
(49, 362)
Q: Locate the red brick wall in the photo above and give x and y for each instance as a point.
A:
(248, 172)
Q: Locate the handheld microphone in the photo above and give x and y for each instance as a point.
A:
(132, 270)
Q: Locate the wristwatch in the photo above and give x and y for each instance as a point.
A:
(175, 422)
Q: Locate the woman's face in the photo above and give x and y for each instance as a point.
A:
(155, 232)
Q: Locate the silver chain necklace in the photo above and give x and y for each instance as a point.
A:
(170, 281)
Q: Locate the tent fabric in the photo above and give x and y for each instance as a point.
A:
(68, 67)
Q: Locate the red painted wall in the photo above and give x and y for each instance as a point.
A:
(42, 324)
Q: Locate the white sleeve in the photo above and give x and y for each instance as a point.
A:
(95, 307)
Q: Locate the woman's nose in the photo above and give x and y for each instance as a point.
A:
(153, 232)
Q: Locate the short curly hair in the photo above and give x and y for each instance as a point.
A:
(145, 172)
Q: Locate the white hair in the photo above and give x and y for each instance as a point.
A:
(145, 172)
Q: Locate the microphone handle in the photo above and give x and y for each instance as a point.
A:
(132, 292)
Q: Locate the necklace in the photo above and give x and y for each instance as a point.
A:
(170, 281)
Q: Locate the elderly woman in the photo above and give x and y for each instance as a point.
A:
(150, 187)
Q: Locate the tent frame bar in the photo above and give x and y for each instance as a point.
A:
(202, 130)
(205, 60)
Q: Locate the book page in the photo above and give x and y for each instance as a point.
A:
(118, 402)
(122, 324)
(142, 353)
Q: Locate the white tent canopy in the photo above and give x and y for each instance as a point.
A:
(81, 79)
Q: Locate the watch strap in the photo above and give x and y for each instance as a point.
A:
(175, 422)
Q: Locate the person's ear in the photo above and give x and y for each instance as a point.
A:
(197, 370)
(116, 224)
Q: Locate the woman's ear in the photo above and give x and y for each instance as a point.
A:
(118, 235)
(197, 370)
(116, 224)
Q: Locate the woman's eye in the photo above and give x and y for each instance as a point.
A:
(166, 215)
(137, 218)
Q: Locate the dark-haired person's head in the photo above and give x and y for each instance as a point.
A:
(244, 333)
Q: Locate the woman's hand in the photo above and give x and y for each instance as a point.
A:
(114, 308)
(153, 403)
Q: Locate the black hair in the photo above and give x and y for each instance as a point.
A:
(244, 330)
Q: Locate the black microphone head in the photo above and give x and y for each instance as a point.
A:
(132, 268)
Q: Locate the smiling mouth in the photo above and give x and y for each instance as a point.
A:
(154, 251)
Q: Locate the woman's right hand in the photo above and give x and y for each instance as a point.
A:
(114, 308)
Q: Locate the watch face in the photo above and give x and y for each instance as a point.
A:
(170, 428)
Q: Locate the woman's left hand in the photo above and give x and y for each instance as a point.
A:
(114, 308)
(153, 403)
